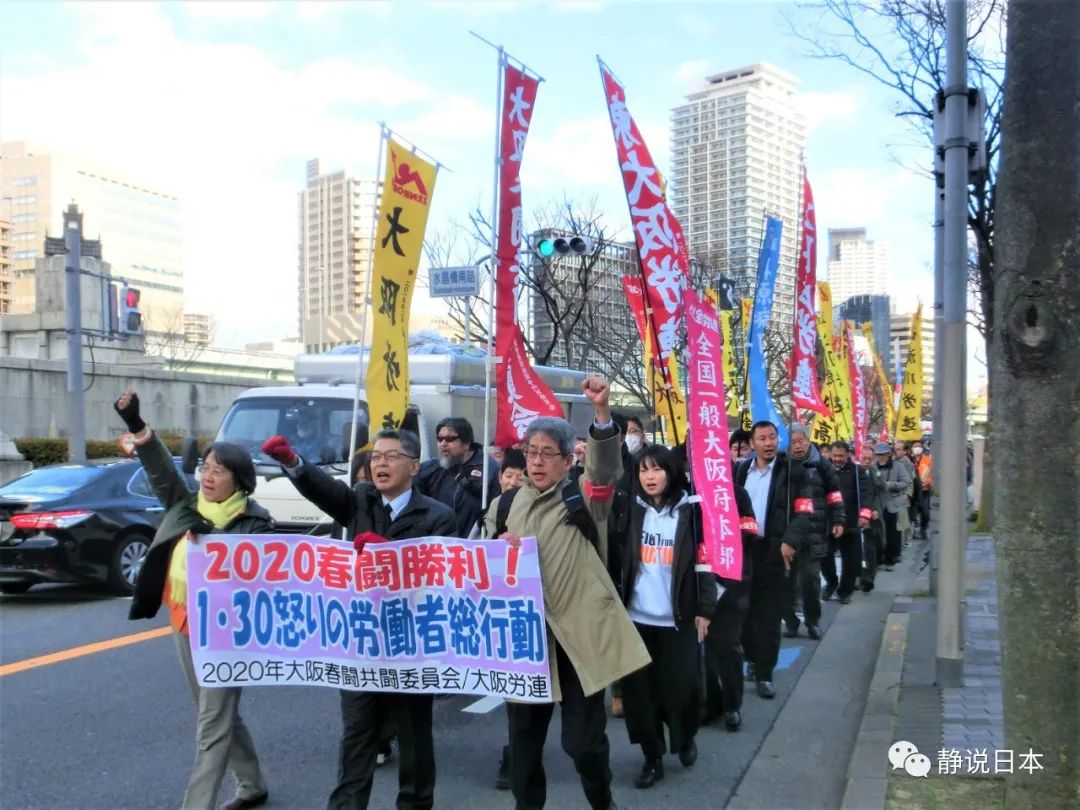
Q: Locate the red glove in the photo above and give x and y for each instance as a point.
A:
(279, 449)
(363, 539)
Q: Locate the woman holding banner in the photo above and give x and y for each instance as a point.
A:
(670, 592)
(222, 504)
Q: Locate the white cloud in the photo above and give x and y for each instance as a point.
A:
(691, 74)
(229, 10)
(830, 109)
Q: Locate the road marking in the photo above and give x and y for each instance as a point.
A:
(79, 652)
(484, 705)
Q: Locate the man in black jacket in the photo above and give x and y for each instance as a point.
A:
(782, 506)
(456, 476)
(392, 507)
(826, 527)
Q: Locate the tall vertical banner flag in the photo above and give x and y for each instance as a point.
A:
(671, 410)
(746, 306)
(858, 392)
(883, 381)
(908, 425)
(838, 424)
(408, 183)
(660, 242)
(804, 382)
(761, 401)
(522, 394)
(707, 441)
(725, 318)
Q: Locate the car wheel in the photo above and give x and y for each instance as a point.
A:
(15, 587)
(127, 563)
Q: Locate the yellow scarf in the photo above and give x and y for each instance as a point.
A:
(218, 513)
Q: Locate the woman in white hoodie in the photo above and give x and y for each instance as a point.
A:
(669, 592)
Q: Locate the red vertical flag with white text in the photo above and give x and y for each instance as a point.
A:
(522, 394)
(859, 412)
(707, 439)
(804, 382)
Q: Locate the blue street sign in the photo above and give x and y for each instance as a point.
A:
(454, 282)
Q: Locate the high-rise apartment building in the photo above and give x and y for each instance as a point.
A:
(336, 215)
(5, 266)
(737, 147)
(875, 309)
(138, 223)
(198, 328)
(587, 344)
(857, 265)
(901, 337)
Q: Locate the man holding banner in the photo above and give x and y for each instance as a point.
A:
(391, 507)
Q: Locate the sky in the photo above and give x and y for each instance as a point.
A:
(222, 103)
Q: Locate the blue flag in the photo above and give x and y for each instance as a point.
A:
(761, 402)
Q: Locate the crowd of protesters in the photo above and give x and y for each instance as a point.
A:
(631, 604)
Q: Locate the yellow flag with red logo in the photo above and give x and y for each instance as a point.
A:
(883, 381)
(671, 410)
(836, 392)
(408, 183)
(727, 353)
(746, 308)
(908, 425)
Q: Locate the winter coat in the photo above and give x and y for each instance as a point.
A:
(860, 491)
(789, 507)
(748, 529)
(693, 585)
(897, 481)
(360, 508)
(182, 517)
(828, 501)
(460, 487)
(584, 612)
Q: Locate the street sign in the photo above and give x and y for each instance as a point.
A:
(454, 282)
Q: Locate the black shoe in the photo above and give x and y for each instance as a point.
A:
(765, 690)
(651, 773)
(792, 630)
(732, 720)
(845, 599)
(827, 594)
(866, 587)
(750, 672)
(688, 754)
(812, 632)
(502, 778)
(240, 803)
(888, 566)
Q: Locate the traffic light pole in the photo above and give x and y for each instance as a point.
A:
(73, 302)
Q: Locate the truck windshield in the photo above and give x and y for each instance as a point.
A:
(318, 429)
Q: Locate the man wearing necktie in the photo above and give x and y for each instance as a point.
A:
(389, 506)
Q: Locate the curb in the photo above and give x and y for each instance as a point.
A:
(867, 778)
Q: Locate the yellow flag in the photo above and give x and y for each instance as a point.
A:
(671, 411)
(836, 391)
(908, 425)
(883, 381)
(727, 354)
(746, 308)
(408, 183)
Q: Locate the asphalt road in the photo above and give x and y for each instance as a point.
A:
(115, 728)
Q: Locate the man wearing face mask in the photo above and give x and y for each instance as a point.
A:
(635, 437)
(455, 476)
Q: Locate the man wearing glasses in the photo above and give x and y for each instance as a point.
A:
(455, 476)
(591, 640)
(390, 506)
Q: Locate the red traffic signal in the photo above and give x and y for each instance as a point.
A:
(129, 321)
(131, 298)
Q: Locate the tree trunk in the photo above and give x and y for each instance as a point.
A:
(1034, 396)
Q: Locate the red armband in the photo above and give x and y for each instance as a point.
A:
(804, 505)
(364, 538)
(598, 492)
(834, 498)
(749, 524)
(866, 514)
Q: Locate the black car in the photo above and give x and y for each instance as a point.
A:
(84, 523)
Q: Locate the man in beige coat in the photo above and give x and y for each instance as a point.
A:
(591, 640)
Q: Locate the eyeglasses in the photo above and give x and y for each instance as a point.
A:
(389, 455)
(546, 455)
(446, 438)
(203, 470)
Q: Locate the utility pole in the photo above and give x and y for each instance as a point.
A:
(73, 303)
(950, 456)
(939, 320)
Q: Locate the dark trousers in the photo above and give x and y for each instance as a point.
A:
(361, 713)
(724, 653)
(768, 601)
(804, 582)
(584, 721)
(871, 551)
(924, 512)
(851, 562)
(893, 545)
(667, 691)
(828, 564)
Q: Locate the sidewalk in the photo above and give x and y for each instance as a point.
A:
(949, 726)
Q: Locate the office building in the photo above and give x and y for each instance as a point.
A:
(138, 223)
(876, 309)
(901, 337)
(336, 216)
(198, 328)
(857, 265)
(5, 266)
(737, 147)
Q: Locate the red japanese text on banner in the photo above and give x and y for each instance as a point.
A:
(707, 440)
(522, 394)
(660, 242)
(804, 382)
(860, 416)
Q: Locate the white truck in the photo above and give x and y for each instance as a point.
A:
(316, 416)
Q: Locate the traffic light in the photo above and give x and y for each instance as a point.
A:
(548, 247)
(130, 321)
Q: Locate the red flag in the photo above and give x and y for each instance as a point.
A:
(804, 383)
(522, 394)
(858, 392)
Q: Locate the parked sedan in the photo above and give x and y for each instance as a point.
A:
(90, 522)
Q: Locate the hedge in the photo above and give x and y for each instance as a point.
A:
(41, 452)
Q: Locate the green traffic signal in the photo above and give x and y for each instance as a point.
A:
(546, 247)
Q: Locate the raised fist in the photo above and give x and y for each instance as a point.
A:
(279, 449)
(596, 389)
(128, 408)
